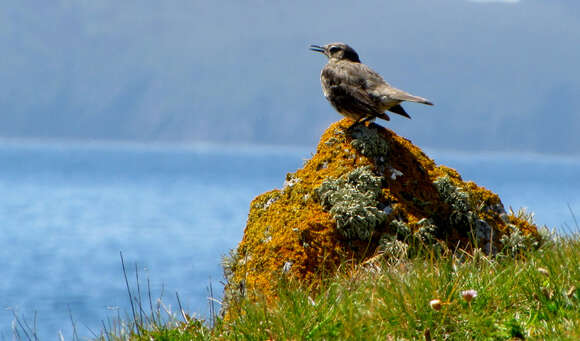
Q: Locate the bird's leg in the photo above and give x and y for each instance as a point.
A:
(363, 120)
(352, 125)
(366, 119)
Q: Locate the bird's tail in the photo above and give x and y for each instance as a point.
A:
(417, 99)
(404, 96)
(423, 101)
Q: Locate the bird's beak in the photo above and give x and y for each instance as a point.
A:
(317, 48)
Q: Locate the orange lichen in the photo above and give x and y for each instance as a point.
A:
(290, 233)
(523, 225)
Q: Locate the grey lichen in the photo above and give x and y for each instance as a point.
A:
(322, 165)
(263, 205)
(331, 141)
(393, 249)
(290, 181)
(400, 229)
(267, 235)
(229, 263)
(234, 291)
(353, 202)
(369, 142)
(426, 231)
(465, 214)
(516, 242)
(459, 201)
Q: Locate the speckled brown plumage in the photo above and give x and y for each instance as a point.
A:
(355, 90)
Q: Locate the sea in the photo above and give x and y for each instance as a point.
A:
(69, 212)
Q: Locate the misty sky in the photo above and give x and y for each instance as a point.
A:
(503, 75)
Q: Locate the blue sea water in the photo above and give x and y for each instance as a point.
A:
(67, 211)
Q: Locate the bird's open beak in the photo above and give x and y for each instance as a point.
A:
(317, 48)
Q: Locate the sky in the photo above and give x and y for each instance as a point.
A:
(503, 75)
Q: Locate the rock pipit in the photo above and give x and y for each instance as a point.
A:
(355, 90)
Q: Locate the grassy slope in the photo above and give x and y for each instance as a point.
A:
(535, 296)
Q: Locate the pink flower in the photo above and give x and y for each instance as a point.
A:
(435, 304)
(469, 295)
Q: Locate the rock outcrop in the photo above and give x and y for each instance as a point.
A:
(366, 191)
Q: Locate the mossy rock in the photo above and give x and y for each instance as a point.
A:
(365, 189)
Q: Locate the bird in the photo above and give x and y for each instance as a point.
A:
(355, 90)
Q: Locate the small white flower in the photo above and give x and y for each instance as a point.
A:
(469, 295)
(436, 304)
(286, 267)
(544, 271)
(311, 301)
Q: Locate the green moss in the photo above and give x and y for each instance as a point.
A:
(353, 201)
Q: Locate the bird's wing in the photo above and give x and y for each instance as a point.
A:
(345, 92)
(348, 99)
(398, 109)
(364, 75)
(378, 89)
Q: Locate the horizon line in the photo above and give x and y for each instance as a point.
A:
(245, 147)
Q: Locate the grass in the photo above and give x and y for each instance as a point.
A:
(531, 295)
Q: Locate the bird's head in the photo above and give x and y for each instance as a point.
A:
(337, 51)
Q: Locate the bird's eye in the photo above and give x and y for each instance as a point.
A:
(334, 49)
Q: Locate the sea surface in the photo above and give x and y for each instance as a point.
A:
(66, 213)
